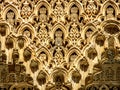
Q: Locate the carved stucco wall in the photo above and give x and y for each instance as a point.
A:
(60, 44)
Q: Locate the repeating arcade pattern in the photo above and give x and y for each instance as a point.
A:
(59, 44)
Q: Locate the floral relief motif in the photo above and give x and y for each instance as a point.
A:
(91, 9)
(26, 9)
(59, 11)
(59, 45)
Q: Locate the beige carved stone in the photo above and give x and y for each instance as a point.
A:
(59, 44)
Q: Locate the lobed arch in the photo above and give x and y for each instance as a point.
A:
(61, 27)
(71, 51)
(10, 7)
(43, 3)
(46, 51)
(86, 27)
(23, 26)
(109, 3)
(76, 3)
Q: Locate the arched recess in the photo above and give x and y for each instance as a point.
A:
(91, 53)
(27, 26)
(75, 75)
(72, 51)
(109, 3)
(57, 72)
(12, 8)
(42, 3)
(28, 54)
(42, 77)
(22, 40)
(90, 28)
(10, 42)
(82, 63)
(45, 51)
(7, 28)
(110, 27)
(99, 38)
(61, 27)
(76, 3)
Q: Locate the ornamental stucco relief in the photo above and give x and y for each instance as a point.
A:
(59, 44)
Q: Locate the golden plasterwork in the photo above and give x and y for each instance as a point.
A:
(59, 44)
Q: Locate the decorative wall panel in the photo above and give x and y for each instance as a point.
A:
(59, 44)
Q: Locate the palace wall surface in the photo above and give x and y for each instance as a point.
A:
(59, 44)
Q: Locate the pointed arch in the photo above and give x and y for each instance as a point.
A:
(46, 51)
(10, 7)
(43, 3)
(71, 51)
(23, 26)
(61, 27)
(79, 5)
(109, 3)
(88, 26)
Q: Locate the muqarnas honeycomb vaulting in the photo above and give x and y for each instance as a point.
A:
(59, 44)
